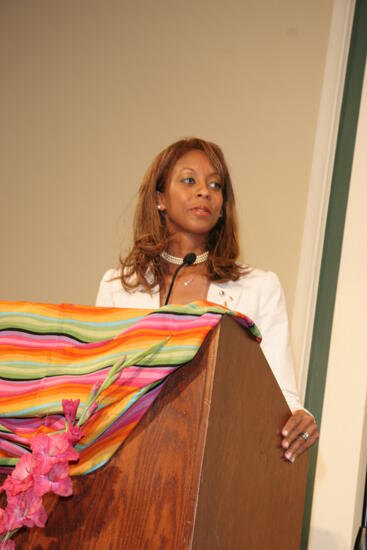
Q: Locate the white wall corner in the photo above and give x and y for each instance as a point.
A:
(319, 188)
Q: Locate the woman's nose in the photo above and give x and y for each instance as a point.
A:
(202, 189)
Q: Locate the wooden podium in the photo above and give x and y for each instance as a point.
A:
(202, 470)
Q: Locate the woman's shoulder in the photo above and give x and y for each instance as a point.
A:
(109, 285)
(254, 288)
(111, 275)
(262, 286)
(112, 292)
(258, 277)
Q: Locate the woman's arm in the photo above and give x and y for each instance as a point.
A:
(300, 431)
(105, 296)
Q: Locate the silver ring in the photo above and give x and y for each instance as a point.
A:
(304, 435)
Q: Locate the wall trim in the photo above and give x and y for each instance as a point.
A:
(334, 230)
(320, 184)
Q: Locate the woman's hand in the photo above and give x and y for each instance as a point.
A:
(299, 433)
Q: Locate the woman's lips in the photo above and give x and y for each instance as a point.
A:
(201, 210)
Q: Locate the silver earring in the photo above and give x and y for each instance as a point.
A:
(159, 206)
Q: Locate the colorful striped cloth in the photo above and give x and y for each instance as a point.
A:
(54, 352)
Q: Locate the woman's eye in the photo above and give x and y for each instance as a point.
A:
(188, 180)
(215, 185)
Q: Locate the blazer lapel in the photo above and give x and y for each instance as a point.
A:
(225, 294)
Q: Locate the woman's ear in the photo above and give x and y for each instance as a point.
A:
(159, 197)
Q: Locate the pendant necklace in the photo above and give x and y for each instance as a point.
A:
(200, 258)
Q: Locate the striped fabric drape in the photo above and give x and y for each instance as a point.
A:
(54, 352)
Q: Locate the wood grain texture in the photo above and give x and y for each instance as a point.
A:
(145, 498)
(202, 470)
(249, 497)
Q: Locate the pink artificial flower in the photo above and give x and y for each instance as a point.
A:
(25, 509)
(49, 450)
(57, 480)
(92, 409)
(95, 389)
(74, 433)
(45, 470)
(3, 527)
(70, 409)
(21, 477)
(7, 545)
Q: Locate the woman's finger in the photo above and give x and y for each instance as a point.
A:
(293, 426)
(299, 433)
(299, 422)
(301, 444)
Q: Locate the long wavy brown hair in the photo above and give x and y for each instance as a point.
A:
(143, 266)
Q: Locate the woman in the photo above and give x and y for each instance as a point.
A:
(186, 204)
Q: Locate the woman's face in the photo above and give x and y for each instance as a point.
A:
(193, 196)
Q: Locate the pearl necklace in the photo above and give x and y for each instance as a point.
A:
(201, 258)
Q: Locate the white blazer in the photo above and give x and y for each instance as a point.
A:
(257, 294)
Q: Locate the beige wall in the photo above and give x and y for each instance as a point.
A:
(92, 90)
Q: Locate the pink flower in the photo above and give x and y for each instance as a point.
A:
(45, 470)
(21, 478)
(74, 434)
(92, 409)
(57, 480)
(25, 509)
(95, 389)
(3, 527)
(48, 451)
(7, 545)
(70, 409)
